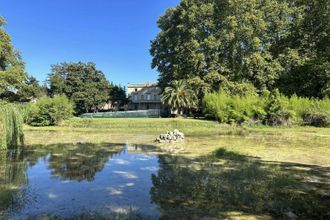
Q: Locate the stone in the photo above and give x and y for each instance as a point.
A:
(291, 215)
(171, 136)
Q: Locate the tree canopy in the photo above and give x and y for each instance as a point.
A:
(81, 82)
(117, 94)
(12, 74)
(209, 42)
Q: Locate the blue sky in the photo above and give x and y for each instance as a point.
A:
(115, 34)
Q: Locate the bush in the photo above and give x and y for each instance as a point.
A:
(270, 109)
(233, 109)
(316, 119)
(49, 111)
(314, 112)
(276, 111)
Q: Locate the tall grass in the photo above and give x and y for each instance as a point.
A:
(233, 109)
(301, 106)
(11, 126)
(238, 109)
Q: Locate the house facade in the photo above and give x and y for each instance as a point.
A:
(144, 97)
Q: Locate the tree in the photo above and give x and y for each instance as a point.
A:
(309, 74)
(29, 90)
(311, 79)
(11, 126)
(81, 82)
(12, 72)
(264, 43)
(118, 95)
(179, 96)
(204, 40)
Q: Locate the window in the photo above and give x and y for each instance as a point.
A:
(142, 97)
(149, 97)
(155, 97)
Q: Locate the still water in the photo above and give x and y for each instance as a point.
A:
(66, 181)
(122, 181)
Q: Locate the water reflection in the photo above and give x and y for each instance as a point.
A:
(12, 178)
(67, 180)
(116, 179)
(81, 162)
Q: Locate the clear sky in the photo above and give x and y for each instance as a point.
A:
(115, 34)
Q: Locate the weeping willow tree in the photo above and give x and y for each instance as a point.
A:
(11, 126)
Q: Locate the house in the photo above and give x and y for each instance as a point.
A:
(144, 97)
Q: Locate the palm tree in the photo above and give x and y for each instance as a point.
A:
(179, 96)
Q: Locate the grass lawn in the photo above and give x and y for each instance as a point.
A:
(252, 172)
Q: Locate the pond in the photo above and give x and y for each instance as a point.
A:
(127, 181)
(66, 181)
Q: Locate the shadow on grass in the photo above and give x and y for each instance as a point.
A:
(228, 182)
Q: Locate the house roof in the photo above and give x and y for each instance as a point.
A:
(142, 85)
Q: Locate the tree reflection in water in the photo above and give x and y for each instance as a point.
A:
(12, 178)
(81, 162)
(68, 162)
(197, 189)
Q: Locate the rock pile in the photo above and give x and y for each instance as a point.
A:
(170, 136)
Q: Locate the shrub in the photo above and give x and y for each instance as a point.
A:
(11, 126)
(314, 112)
(270, 109)
(276, 111)
(233, 109)
(316, 119)
(49, 111)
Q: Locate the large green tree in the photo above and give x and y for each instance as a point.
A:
(205, 40)
(209, 42)
(12, 72)
(117, 95)
(29, 89)
(81, 82)
(308, 67)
